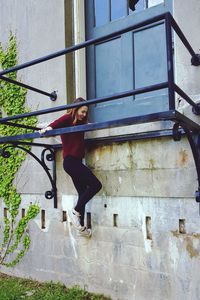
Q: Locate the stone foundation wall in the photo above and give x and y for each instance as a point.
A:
(144, 246)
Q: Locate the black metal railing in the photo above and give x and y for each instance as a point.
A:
(170, 84)
(170, 114)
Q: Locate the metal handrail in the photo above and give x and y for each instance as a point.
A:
(172, 88)
(88, 102)
(52, 96)
(180, 120)
(85, 44)
(182, 37)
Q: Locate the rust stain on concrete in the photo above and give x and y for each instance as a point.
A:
(175, 233)
(188, 239)
(152, 164)
(190, 248)
(183, 158)
(196, 235)
(101, 150)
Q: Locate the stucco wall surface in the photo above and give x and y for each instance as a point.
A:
(187, 76)
(36, 25)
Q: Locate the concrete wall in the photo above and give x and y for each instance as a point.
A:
(121, 260)
(145, 221)
(36, 25)
(186, 75)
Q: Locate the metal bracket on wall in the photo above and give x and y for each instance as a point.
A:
(196, 109)
(195, 60)
(193, 137)
(48, 153)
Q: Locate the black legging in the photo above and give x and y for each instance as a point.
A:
(85, 182)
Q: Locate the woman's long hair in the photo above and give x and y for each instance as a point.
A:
(73, 111)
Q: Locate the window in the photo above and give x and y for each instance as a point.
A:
(102, 12)
(139, 5)
(118, 9)
(106, 11)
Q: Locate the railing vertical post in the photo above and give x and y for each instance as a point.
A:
(54, 179)
(170, 62)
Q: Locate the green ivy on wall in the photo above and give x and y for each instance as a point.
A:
(14, 236)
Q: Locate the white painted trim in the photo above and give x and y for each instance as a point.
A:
(80, 60)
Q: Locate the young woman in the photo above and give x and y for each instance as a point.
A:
(85, 182)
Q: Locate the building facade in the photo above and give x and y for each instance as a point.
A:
(145, 220)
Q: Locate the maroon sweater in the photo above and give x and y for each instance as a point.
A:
(72, 143)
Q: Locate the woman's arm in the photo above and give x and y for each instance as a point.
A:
(61, 122)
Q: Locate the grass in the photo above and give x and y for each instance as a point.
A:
(12, 288)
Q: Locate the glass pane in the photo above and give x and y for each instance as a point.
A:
(140, 5)
(154, 2)
(118, 9)
(101, 12)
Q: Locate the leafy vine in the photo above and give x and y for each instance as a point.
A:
(14, 236)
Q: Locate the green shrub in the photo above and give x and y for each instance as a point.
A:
(14, 234)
